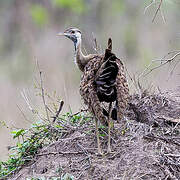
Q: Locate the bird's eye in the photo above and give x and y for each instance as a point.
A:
(72, 32)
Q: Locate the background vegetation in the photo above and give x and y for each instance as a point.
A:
(28, 33)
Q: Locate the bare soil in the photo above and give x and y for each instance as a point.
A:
(145, 145)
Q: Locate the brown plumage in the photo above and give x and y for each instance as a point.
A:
(103, 85)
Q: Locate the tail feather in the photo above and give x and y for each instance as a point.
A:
(106, 76)
(110, 44)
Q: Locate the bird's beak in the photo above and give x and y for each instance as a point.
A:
(60, 34)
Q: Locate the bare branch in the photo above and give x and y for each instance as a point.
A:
(24, 96)
(147, 7)
(21, 111)
(163, 61)
(58, 112)
(174, 67)
(158, 9)
(42, 91)
(59, 152)
(153, 2)
(163, 16)
(82, 110)
(169, 59)
(26, 99)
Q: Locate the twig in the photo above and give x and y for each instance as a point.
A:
(26, 99)
(42, 91)
(162, 15)
(163, 61)
(156, 68)
(86, 153)
(83, 149)
(107, 135)
(23, 114)
(166, 170)
(147, 7)
(58, 112)
(174, 67)
(60, 152)
(134, 80)
(50, 110)
(173, 155)
(82, 110)
(24, 96)
(168, 140)
(158, 9)
(169, 59)
(174, 120)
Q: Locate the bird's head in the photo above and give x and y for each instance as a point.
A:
(72, 33)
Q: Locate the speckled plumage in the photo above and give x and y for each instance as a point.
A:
(88, 90)
(103, 86)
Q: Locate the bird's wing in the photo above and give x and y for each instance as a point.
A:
(104, 80)
(105, 77)
(88, 91)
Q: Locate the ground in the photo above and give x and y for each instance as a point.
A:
(145, 145)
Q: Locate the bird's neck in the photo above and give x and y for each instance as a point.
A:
(80, 59)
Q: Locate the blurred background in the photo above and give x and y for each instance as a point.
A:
(28, 32)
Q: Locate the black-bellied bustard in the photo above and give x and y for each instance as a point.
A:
(103, 81)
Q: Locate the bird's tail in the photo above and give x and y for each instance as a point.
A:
(110, 44)
(106, 76)
(105, 80)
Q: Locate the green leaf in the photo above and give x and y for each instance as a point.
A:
(19, 145)
(102, 135)
(102, 127)
(59, 126)
(18, 133)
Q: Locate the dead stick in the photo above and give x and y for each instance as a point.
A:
(158, 9)
(42, 91)
(58, 112)
(60, 152)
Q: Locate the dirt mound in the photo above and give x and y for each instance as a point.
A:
(145, 145)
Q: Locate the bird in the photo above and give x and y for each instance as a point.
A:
(103, 85)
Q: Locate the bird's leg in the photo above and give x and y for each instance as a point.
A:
(109, 129)
(109, 136)
(98, 140)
